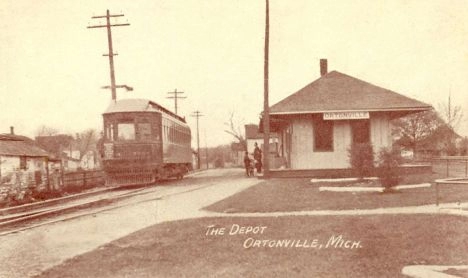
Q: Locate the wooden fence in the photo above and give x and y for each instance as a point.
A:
(450, 166)
(83, 179)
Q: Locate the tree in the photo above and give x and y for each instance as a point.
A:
(235, 130)
(443, 140)
(361, 158)
(389, 171)
(44, 130)
(86, 141)
(452, 115)
(464, 146)
(414, 129)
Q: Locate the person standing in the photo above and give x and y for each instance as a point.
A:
(247, 164)
(258, 158)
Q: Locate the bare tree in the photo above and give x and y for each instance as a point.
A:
(235, 130)
(86, 141)
(451, 114)
(44, 130)
(464, 146)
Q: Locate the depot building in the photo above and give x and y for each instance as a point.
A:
(317, 125)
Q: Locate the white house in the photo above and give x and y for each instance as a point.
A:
(23, 166)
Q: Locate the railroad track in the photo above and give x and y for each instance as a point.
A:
(70, 210)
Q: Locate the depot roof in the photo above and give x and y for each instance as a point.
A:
(336, 91)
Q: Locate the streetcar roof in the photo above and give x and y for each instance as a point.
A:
(138, 105)
(130, 105)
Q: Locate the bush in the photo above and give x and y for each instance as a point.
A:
(361, 158)
(45, 195)
(389, 172)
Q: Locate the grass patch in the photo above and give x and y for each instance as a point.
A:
(182, 249)
(299, 194)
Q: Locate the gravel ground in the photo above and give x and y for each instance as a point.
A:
(29, 252)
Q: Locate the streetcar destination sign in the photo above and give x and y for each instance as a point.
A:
(354, 115)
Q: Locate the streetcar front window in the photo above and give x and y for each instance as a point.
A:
(144, 131)
(110, 132)
(126, 131)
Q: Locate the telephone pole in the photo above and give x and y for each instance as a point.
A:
(206, 151)
(111, 53)
(175, 97)
(197, 114)
(266, 106)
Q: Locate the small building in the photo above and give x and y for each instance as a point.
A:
(66, 148)
(23, 166)
(317, 124)
(253, 135)
(237, 153)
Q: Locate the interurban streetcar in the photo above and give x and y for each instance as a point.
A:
(144, 142)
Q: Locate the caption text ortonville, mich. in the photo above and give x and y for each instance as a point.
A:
(255, 237)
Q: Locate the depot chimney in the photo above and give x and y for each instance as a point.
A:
(12, 130)
(323, 67)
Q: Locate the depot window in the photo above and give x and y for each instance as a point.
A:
(323, 135)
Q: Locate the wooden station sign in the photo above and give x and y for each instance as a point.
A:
(353, 115)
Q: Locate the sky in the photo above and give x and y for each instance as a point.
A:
(52, 68)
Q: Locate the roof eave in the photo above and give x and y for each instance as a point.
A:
(352, 110)
(25, 155)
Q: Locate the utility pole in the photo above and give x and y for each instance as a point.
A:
(266, 107)
(111, 53)
(206, 151)
(197, 114)
(175, 97)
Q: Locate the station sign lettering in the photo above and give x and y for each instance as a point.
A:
(354, 115)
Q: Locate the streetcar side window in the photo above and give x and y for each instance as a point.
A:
(126, 131)
(171, 134)
(155, 129)
(165, 135)
(175, 133)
